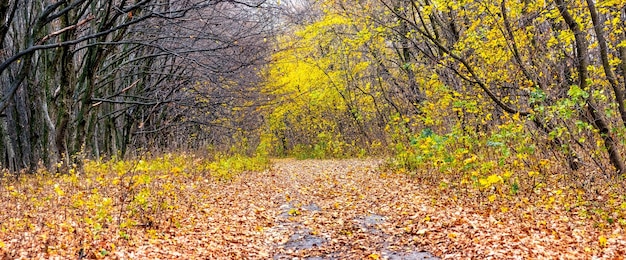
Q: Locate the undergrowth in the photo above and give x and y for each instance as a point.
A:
(82, 211)
(504, 172)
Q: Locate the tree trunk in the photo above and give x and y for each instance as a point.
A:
(583, 61)
(598, 27)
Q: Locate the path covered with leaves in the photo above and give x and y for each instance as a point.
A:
(309, 209)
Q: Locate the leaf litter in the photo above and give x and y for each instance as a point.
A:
(298, 209)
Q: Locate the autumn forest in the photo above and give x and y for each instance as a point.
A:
(312, 129)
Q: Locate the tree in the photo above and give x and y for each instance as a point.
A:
(95, 77)
(473, 67)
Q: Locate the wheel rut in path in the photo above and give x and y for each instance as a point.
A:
(338, 209)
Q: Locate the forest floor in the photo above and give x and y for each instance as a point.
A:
(306, 209)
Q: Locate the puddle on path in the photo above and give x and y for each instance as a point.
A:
(368, 223)
(370, 220)
(302, 237)
(312, 207)
(390, 255)
(289, 209)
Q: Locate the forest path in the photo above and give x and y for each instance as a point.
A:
(299, 209)
(308, 209)
(349, 209)
(337, 209)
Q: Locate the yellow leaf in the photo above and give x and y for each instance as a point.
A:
(602, 241)
(452, 235)
(507, 174)
(516, 117)
(492, 197)
(494, 178)
(294, 212)
(2, 245)
(58, 190)
(470, 160)
(374, 256)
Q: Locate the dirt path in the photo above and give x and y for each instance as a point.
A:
(347, 209)
(336, 210)
(309, 209)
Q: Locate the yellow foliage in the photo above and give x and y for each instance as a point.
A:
(491, 180)
(58, 190)
(602, 241)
